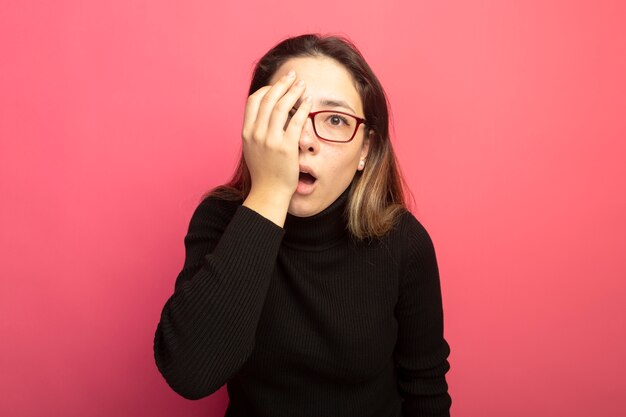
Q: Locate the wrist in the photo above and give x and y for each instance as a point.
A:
(271, 204)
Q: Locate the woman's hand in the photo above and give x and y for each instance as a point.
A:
(270, 145)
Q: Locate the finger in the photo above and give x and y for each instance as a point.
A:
(270, 99)
(280, 113)
(251, 110)
(298, 120)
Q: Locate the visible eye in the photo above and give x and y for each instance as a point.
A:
(337, 120)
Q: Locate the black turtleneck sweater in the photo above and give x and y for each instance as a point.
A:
(303, 320)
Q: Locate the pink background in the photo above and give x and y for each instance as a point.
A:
(115, 117)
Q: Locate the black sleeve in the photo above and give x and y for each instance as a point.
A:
(207, 327)
(421, 351)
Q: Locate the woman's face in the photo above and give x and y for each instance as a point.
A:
(331, 87)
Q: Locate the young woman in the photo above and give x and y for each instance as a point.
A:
(308, 288)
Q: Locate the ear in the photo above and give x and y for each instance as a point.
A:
(365, 148)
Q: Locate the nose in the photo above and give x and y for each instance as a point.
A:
(308, 140)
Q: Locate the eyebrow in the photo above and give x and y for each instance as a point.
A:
(331, 102)
(328, 102)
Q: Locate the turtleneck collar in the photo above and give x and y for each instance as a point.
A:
(320, 231)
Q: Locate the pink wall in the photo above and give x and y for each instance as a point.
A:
(510, 125)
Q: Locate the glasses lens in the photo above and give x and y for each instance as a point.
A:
(335, 126)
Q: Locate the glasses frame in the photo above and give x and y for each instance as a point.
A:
(359, 121)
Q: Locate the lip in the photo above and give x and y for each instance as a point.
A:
(308, 170)
(304, 188)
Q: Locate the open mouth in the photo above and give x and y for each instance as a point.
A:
(307, 178)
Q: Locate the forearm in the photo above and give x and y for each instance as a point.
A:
(207, 326)
(425, 390)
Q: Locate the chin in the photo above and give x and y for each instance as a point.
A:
(300, 207)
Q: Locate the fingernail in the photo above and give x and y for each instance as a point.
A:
(300, 83)
(307, 99)
(291, 74)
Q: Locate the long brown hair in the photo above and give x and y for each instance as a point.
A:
(377, 194)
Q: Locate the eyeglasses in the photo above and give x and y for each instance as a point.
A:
(334, 126)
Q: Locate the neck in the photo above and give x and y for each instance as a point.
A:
(320, 231)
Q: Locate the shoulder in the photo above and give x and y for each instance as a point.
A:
(410, 229)
(411, 234)
(212, 213)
